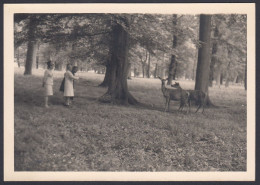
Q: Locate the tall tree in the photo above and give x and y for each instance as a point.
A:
(173, 62)
(117, 89)
(32, 45)
(229, 47)
(202, 73)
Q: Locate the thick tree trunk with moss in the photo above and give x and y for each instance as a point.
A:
(117, 87)
(31, 48)
(203, 66)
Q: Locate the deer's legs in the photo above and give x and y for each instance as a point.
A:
(198, 107)
(203, 107)
(181, 107)
(166, 104)
(188, 107)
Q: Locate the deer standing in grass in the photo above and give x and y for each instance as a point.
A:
(174, 94)
(195, 95)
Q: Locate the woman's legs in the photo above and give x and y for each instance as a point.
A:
(46, 98)
(67, 100)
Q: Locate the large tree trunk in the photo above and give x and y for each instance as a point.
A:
(31, 48)
(173, 63)
(117, 87)
(203, 66)
(30, 58)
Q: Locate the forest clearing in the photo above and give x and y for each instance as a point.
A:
(95, 136)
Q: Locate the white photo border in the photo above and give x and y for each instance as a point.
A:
(164, 8)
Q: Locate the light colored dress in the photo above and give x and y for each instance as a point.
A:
(68, 85)
(48, 82)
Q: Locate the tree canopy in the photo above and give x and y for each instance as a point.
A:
(88, 40)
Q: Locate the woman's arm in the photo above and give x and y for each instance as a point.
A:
(73, 77)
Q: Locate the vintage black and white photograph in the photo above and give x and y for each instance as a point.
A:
(130, 91)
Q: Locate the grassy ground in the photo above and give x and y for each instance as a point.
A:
(93, 136)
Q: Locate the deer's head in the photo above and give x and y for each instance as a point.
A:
(163, 80)
(176, 84)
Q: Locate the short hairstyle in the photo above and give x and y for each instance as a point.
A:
(68, 65)
(75, 68)
(49, 64)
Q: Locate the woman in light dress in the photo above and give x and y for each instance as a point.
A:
(68, 85)
(47, 82)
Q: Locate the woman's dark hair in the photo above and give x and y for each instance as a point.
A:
(68, 66)
(49, 64)
(75, 68)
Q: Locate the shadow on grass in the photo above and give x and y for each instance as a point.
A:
(158, 108)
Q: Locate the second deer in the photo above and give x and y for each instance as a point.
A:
(174, 94)
(195, 95)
